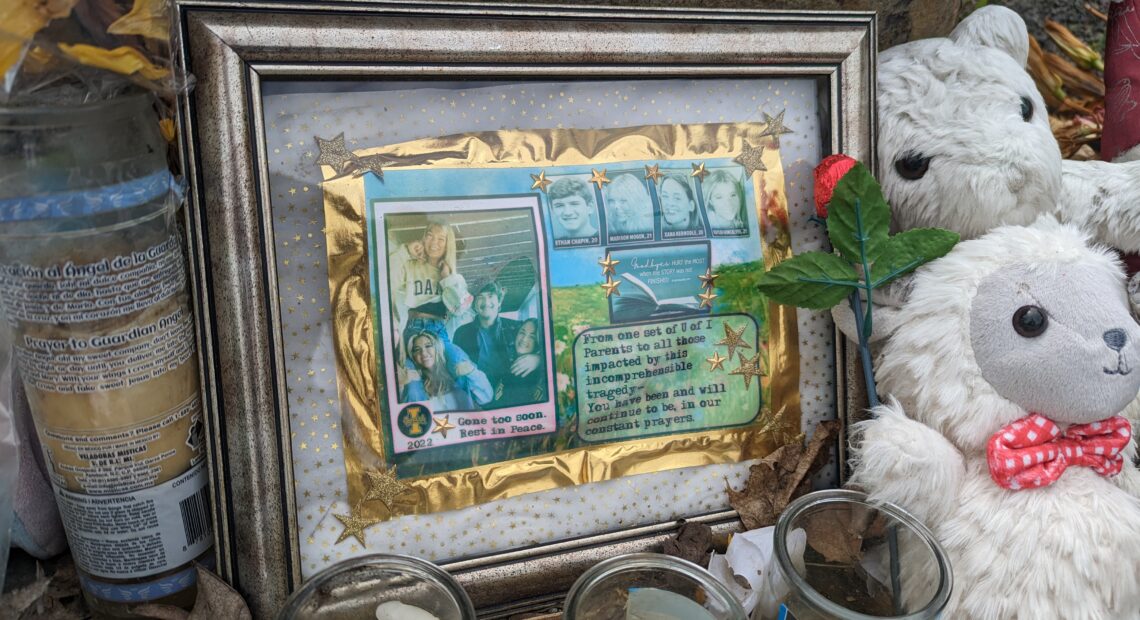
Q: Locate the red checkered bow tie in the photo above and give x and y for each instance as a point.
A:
(1033, 452)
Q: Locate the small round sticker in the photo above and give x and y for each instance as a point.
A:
(414, 420)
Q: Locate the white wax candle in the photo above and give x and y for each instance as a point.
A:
(395, 610)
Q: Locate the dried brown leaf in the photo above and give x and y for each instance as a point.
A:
(1074, 47)
(15, 602)
(1075, 79)
(1085, 153)
(781, 477)
(830, 533)
(216, 599)
(161, 612)
(58, 612)
(693, 542)
(1048, 83)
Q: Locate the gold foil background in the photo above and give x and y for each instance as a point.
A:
(360, 394)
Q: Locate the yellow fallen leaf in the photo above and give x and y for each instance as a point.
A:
(166, 126)
(124, 60)
(148, 18)
(20, 20)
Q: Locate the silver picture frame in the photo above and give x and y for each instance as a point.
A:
(231, 47)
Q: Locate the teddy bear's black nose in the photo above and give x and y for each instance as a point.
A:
(1115, 339)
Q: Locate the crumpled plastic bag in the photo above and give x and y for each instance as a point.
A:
(748, 568)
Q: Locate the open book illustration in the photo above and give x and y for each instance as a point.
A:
(638, 302)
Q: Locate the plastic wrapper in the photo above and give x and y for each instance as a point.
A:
(748, 569)
(70, 52)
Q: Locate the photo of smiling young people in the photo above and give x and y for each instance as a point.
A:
(680, 217)
(465, 303)
(573, 212)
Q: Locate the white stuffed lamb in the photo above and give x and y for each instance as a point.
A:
(964, 141)
(1008, 363)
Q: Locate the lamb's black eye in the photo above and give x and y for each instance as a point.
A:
(912, 166)
(1030, 321)
(1026, 109)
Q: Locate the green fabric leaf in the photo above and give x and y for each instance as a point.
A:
(907, 250)
(857, 211)
(811, 280)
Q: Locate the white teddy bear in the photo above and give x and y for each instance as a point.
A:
(1008, 364)
(964, 141)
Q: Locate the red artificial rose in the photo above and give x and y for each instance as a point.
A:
(827, 175)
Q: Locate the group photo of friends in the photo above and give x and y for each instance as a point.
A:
(632, 206)
(466, 312)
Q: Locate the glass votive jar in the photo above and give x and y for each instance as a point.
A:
(380, 586)
(862, 561)
(650, 586)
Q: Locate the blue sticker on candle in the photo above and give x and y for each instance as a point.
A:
(92, 201)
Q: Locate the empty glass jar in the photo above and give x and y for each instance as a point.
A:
(387, 587)
(863, 561)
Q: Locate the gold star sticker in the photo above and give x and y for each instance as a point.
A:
(748, 368)
(776, 127)
(751, 158)
(653, 173)
(540, 181)
(354, 525)
(442, 426)
(733, 340)
(699, 171)
(706, 299)
(368, 163)
(383, 485)
(608, 265)
(708, 279)
(716, 361)
(333, 152)
(611, 286)
(599, 177)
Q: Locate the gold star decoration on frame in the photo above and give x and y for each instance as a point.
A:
(708, 280)
(781, 428)
(653, 173)
(749, 367)
(699, 171)
(442, 426)
(716, 361)
(354, 525)
(599, 178)
(733, 339)
(333, 153)
(707, 298)
(611, 286)
(608, 265)
(751, 157)
(540, 181)
(775, 128)
(383, 485)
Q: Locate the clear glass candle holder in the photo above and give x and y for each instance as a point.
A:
(650, 586)
(862, 561)
(356, 588)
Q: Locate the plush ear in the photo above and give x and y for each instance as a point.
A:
(997, 27)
